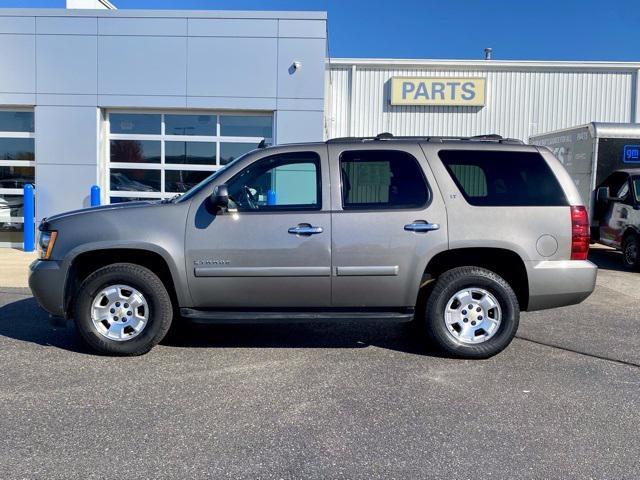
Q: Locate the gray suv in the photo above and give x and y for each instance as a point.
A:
(457, 235)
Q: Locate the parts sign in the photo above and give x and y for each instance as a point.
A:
(469, 92)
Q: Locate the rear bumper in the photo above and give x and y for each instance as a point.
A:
(559, 283)
(47, 280)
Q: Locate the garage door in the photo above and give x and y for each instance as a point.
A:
(158, 155)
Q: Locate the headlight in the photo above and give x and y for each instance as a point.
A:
(45, 244)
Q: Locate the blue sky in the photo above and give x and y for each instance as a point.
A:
(542, 29)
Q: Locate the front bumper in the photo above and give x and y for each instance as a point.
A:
(47, 281)
(559, 283)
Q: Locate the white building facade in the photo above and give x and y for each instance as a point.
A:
(520, 98)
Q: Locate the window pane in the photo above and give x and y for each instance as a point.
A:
(134, 123)
(190, 125)
(246, 126)
(294, 184)
(382, 179)
(624, 190)
(507, 178)
(135, 180)
(10, 206)
(178, 181)
(198, 153)
(16, 177)
(472, 179)
(636, 188)
(231, 151)
(135, 151)
(16, 121)
(17, 149)
(288, 181)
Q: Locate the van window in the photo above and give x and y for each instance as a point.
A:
(503, 178)
(381, 179)
(636, 189)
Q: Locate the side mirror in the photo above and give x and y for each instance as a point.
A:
(220, 196)
(603, 195)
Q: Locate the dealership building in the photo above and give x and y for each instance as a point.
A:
(147, 103)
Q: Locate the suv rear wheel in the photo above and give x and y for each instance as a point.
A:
(471, 313)
(123, 309)
(630, 252)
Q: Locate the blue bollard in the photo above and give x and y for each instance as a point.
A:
(29, 219)
(271, 197)
(95, 196)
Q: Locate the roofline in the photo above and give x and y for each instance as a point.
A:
(108, 4)
(483, 64)
(561, 130)
(598, 130)
(140, 13)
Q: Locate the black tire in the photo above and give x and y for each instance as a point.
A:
(146, 282)
(458, 279)
(631, 252)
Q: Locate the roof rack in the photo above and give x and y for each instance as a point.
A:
(386, 136)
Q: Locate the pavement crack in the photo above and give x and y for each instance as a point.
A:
(578, 352)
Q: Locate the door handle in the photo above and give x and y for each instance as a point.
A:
(421, 226)
(305, 229)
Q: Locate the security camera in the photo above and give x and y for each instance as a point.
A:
(297, 65)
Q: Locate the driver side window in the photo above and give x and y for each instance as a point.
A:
(288, 181)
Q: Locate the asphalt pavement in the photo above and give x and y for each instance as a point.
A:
(328, 400)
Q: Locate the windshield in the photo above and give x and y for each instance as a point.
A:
(204, 183)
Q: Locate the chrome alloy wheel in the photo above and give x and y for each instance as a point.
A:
(472, 316)
(119, 312)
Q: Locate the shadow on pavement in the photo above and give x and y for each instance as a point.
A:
(607, 259)
(23, 320)
(328, 334)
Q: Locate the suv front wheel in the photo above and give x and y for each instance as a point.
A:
(631, 252)
(123, 309)
(471, 313)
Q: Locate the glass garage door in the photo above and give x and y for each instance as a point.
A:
(157, 155)
(17, 167)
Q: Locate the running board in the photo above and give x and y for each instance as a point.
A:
(271, 316)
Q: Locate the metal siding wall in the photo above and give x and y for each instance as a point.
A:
(520, 102)
(337, 102)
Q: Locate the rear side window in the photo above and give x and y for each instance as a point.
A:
(381, 179)
(503, 178)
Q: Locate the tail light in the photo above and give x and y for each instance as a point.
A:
(580, 234)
